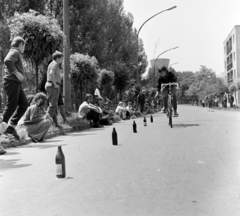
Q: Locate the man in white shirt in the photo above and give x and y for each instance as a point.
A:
(89, 111)
(97, 92)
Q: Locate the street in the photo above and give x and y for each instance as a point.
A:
(192, 169)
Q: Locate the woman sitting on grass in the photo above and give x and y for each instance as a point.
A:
(36, 121)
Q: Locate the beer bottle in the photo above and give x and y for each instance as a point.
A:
(134, 127)
(60, 163)
(114, 137)
(151, 118)
(145, 121)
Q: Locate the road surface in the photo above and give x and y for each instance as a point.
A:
(192, 169)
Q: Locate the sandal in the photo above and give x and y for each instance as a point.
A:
(2, 150)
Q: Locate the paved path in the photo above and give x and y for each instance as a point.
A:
(194, 170)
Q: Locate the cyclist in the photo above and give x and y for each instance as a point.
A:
(167, 76)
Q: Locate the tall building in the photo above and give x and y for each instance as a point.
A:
(232, 59)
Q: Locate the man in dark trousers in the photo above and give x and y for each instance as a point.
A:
(231, 100)
(141, 100)
(17, 103)
(61, 104)
(167, 77)
(53, 84)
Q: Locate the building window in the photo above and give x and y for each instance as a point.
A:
(230, 76)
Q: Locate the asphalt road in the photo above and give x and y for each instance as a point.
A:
(192, 169)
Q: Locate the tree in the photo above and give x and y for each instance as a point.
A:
(106, 79)
(142, 58)
(84, 72)
(26, 5)
(121, 78)
(205, 82)
(43, 35)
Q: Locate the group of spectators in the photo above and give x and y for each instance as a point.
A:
(36, 120)
(213, 101)
(95, 109)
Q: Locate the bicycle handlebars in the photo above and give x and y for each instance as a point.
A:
(163, 85)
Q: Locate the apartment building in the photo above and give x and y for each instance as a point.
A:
(232, 59)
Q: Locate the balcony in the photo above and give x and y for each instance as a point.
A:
(229, 49)
(229, 66)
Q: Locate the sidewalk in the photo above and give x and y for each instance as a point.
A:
(15, 143)
(9, 143)
(220, 108)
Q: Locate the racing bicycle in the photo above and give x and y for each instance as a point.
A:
(169, 101)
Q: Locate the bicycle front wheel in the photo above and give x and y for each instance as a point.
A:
(170, 112)
(170, 117)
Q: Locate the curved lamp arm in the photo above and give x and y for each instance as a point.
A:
(154, 16)
(161, 54)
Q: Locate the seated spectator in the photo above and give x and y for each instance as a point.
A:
(90, 112)
(3, 128)
(35, 120)
(122, 111)
(147, 106)
(29, 99)
(107, 115)
(131, 110)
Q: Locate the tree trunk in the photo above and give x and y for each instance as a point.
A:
(81, 93)
(120, 95)
(2, 91)
(36, 63)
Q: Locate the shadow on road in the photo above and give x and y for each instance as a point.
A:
(52, 140)
(11, 153)
(42, 146)
(184, 125)
(80, 134)
(9, 164)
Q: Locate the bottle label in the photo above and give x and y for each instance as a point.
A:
(59, 169)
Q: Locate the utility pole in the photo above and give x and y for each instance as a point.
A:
(66, 70)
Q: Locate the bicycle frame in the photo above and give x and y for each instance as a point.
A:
(170, 100)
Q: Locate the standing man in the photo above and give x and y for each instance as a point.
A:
(53, 83)
(231, 100)
(17, 102)
(225, 100)
(141, 100)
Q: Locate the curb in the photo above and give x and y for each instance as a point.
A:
(28, 140)
(13, 143)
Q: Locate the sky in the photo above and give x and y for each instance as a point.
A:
(197, 27)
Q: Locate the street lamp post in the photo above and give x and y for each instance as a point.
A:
(138, 36)
(66, 56)
(156, 61)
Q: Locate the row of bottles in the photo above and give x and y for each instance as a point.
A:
(60, 158)
(114, 133)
